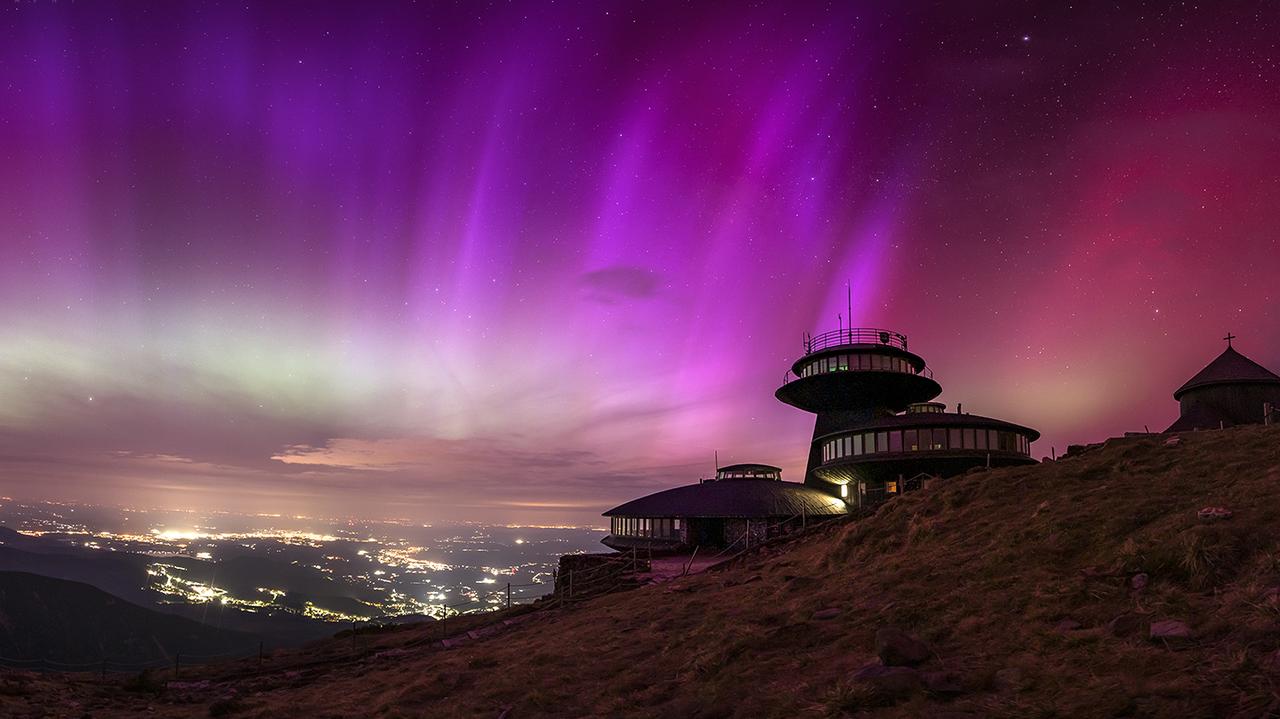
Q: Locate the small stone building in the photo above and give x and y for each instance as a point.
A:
(1231, 390)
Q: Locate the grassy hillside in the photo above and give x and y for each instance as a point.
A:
(1024, 582)
(54, 620)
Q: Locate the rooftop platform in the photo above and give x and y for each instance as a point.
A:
(849, 336)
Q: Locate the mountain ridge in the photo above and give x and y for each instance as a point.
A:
(1038, 591)
(57, 623)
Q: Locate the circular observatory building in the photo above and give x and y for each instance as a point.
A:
(878, 433)
(744, 504)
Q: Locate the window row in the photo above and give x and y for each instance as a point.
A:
(643, 527)
(749, 474)
(843, 363)
(922, 440)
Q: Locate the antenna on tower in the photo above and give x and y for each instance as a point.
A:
(717, 456)
(848, 299)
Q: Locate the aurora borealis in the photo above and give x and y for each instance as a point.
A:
(520, 261)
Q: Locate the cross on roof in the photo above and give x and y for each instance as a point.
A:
(1228, 338)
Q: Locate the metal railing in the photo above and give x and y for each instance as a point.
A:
(855, 336)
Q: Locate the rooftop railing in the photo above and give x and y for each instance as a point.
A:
(855, 336)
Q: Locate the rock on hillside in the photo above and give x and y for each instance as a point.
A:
(1021, 583)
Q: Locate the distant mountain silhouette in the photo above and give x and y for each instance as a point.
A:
(118, 573)
(124, 575)
(74, 623)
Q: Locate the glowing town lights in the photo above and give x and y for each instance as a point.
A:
(204, 555)
(171, 535)
(519, 541)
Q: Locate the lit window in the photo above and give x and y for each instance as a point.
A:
(911, 440)
(891, 487)
(844, 491)
(857, 444)
(848, 446)
(882, 442)
(676, 524)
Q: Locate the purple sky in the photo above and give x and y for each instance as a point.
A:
(523, 261)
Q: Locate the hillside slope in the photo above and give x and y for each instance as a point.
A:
(1024, 582)
(63, 622)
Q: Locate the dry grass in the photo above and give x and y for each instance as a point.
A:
(982, 566)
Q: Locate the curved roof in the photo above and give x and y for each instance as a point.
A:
(934, 419)
(742, 498)
(1230, 367)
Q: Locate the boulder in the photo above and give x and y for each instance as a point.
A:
(942, 682)
(1009, 678)
(828, 613)
(1170, 629)
(1067, 625)
(890, 683)
(897, 648)
(1125, 625)
(1214, 514)
(1271, 662)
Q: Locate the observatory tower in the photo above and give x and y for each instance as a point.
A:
(877, 430)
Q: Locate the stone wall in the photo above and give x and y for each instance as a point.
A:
(582, 575)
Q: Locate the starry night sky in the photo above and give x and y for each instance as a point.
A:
(523, 261)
